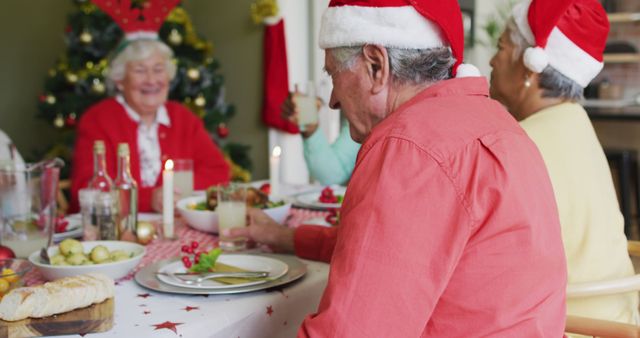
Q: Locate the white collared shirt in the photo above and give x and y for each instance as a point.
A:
(148, 143)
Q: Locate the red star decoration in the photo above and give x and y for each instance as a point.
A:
(146, 312)
(167, 325)
(269, 310)
(191, 308)
(144, 295)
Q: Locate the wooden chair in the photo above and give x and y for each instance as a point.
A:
(603, 328)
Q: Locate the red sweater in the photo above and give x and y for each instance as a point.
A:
(185, 138)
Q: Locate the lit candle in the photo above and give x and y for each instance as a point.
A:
(167, 199)
(274, 171)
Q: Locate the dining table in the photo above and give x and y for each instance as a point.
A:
(272, 312)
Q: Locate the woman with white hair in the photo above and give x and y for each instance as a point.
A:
(155, 129)
(542, 64)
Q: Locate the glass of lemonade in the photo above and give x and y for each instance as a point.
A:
(232, 213)
(306, 102)
(183, 176)
(28, 205)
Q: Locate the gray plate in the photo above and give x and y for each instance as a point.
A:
(146, 277)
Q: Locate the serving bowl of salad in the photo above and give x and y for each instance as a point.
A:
(199, 211)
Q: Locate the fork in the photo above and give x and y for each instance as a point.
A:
(198, 279)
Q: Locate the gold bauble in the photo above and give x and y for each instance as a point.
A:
(59, 121)
(51, 99)
(88, 65)
(52, 72)
(175, 38)
(200, 101)
(86, 37)
(146, 232)
(71, 77)
(193, 74)
(97, 86)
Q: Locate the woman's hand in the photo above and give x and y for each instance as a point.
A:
(157, 201)
(264, 230)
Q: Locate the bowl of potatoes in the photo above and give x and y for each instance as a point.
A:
(72, 257)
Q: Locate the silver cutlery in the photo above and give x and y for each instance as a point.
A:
(190, 278)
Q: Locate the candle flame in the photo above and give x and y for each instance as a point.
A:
(276, 151)
(168, 165)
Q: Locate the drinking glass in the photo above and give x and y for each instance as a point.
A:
(183, 176)
(306, 102)
(232, 213)
(28, 205)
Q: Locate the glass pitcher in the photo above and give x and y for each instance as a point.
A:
(28, 205)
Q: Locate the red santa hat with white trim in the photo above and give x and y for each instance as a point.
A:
(568, 35)
(410, 24)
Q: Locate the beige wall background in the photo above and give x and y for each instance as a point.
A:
(32, 37)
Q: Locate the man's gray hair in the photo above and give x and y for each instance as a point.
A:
(552, 82)
(135, 51)
(408, 66)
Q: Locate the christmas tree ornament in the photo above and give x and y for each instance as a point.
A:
(145, 231)
(193, 74)
(71, 77)
(51, 99)
(42, 98)
(175, 38)
(222, 130)
(52, 72)
(88, 65)
(71, 120)
(86, 37)
(97, 87)
(200, 101)
(58, 122)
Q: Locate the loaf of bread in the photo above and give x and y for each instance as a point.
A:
(55, 297)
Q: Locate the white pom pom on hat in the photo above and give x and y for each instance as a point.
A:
(535, 59)
(467, 70)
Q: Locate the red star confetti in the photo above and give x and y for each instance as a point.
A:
(146, 312)
(167, 325)
(191, 308)
(144, 295)
(269, 310)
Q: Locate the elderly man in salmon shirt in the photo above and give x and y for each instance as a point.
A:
(449, 224)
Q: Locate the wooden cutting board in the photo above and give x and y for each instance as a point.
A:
(95, 318)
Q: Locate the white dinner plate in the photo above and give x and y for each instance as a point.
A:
(311, 198)
(275, 267)
(74, 228)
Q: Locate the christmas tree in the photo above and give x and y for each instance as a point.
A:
(77, 80)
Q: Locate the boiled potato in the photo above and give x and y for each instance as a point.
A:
(57, 259)
(99, 254)
(70, 246)
(76, 259)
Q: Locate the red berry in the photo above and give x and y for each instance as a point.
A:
(187, 264)
(189, 250)
(196, 259)
(194, 244)
(266, 188)
(185, 249)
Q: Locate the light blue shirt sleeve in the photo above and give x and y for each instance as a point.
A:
(331, 163)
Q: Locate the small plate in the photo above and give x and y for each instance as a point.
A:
(275, 268)
(311, 198)
(146, 277)
(74, 228)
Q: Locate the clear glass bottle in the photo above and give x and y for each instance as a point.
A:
(127, 191)
(107, 216)
(100, 180)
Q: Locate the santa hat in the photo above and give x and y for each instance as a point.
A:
(138, 23)
(411, 24)
(568, 35)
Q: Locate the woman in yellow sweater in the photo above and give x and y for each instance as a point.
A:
(542, 64)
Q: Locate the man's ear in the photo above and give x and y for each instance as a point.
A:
(376, 61)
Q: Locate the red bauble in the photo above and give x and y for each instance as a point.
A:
(42, 98)
(68, 29)
(223, 131)
(70, 121)
(6, 252)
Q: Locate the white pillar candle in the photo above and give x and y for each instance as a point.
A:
(274, 171)
(167, 199)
